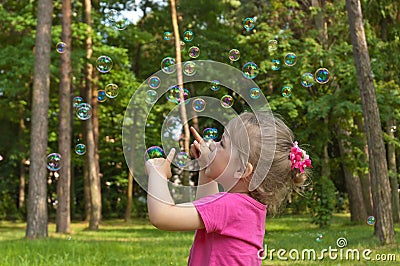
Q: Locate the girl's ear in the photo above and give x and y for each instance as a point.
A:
(244, 174)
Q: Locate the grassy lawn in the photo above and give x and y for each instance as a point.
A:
(139, 243)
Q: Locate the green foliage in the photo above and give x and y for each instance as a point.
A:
(323, 201)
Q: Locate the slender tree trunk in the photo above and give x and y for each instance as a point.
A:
(37, 193)
(63, 215)
(22, 170)
(378, 165)
(358, 211)
(394, 185)
(86, 192)
(95, 198)
(95, 119)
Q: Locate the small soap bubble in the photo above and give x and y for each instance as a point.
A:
(80, 149)
(194, 52)
(167, 35)
(112, 90)
(168, 65)
(255, 93)
(120, 22)
(199, 105)
(84, 111)
(234, 55)
(371, 220)
(286, 91)
(181, 159)
(226, 101)
(154, 152)
(250, 70)
(248, 24)
(54, 161)
(183, 45)
(189, 68)
(210, 133)
(319, 238)
(104, 64)
(151, 96)
(154, 82)
(188, 36)
(322, 75)
(307, 80)
(272, 45)
(77, 101)
(61, 47)
(276, 64)
(290, 59)
(215, 85)
(393, 129)
(101, 96)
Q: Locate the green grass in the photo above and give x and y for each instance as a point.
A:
(139, 243)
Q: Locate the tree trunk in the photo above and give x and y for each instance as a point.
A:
(95, 194)
(394, 184)
(378, 166)
(37, 193)
(86, 192)
(22, 164)
(358, 212)
(63, 215)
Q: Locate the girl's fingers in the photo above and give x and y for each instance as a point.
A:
(196, 135)
(171, 155)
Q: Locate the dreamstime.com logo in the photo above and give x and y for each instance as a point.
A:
(330, 253)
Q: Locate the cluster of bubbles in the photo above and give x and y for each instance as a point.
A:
(116, 19)
(151, 95)
(104, 64)
(371, 220)
(83, 110)
(110, 91)
(174, 94)
(319, 238)
(210, 133)
(321, 76)
(61, 47)
(54, 162)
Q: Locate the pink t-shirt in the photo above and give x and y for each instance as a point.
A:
(234, 230)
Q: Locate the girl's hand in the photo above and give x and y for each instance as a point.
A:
(200, 149)
(160, 166)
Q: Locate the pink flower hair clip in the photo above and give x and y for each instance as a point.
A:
(299, 158)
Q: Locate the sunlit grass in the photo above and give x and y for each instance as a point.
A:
(139, 243)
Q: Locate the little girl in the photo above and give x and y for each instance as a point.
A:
(230, 225)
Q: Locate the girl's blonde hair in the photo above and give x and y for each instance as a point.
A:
(275, 184)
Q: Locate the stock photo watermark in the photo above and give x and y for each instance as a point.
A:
(331, 253)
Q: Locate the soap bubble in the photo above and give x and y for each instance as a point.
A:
(77, 101)
(151, 96)
(181, 159)
(248, 24)
(80, 149)
(371, 220)
(210, 133)
(112, 15)
(54, 161)
(84, 111)
(319, 238)
(120, 22)
(101, 96)
(226, 101)
(189, 68)
(286, 91)
(112, 90)
(393, 129)
(234, 55)
(255, 93)
(322, 75)
(272, 45)
(61, 47)
(168, 35)
(215, 85)
(194, 52)
(183, 45)
(276, 64)
(307, 80)
(173, 94)
(199, 105)
(154, 82)
(104, 64)
(154, 152)
(250, 70)
(188, 36)
(168, 65)
(290, 59)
